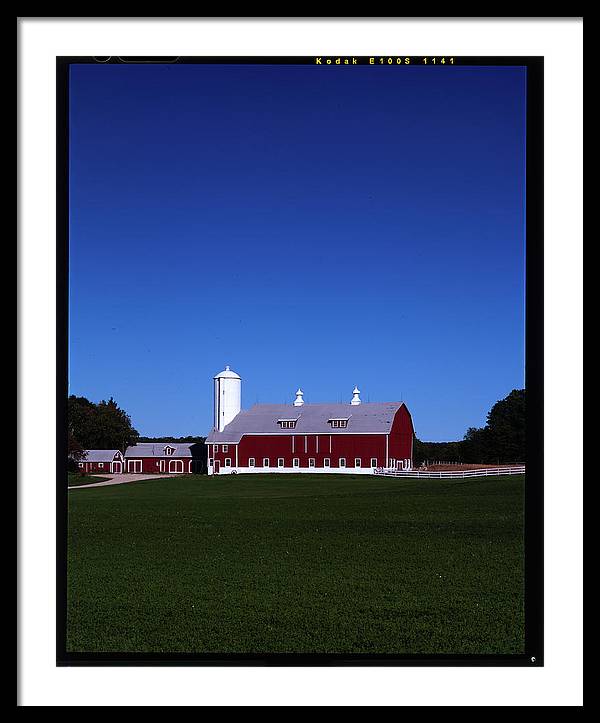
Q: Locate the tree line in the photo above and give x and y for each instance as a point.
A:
(98, 426)
(500, 441)
(189, 439)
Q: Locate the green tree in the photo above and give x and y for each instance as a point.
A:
(476, 445)
(100, 426)
(502, 440)
(506, 428)
(75, 452)
(114, 428)
(82, 420)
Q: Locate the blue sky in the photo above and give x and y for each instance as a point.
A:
(310, 226)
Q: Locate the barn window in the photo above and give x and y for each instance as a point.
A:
(338, 423)
(311, 462)
(342, 461)
(169, 451)
(295, 462)
(211, 461)
(357, 461)
(101, 464)
(373, 462)
(225, 448)
(326, 462)
(215, 448)
(265, 462)
(251, 462)
(81, 464)
(228, 462)
(287, 423)
(280, 461)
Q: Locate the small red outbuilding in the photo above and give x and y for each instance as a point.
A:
(164, 458)
(97, 461)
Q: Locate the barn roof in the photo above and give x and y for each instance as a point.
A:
(157, 449)
(100, 455)
(366, 418)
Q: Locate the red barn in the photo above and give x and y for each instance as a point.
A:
(96, 461)
(164, 457)
(355, 437)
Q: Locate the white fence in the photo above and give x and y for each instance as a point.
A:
(460, 474)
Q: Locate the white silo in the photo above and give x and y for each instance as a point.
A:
(228, 397)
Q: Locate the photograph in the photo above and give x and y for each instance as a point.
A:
(300, 360)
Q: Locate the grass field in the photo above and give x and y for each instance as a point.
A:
(77, 480)
(297, 563)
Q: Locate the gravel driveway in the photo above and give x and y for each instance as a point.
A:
(121, 479)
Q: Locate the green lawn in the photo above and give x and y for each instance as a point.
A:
(77, 480)
(297, 563)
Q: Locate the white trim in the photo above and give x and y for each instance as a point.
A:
(177, 462)
(134, 462)
(298, 470)
(338, 423)
(287, 423)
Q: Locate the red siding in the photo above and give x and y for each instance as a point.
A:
(304, 447)
(401, 435)
(151, 465)
(94, 467)
(318, 447)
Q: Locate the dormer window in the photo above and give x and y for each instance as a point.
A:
(169, 450)
(338, 423)
(287, 423)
